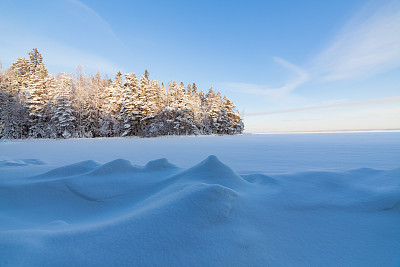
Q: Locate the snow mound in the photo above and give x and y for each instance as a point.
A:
(212, 203)
(118, 165)
(71, 170)
(118, 214)
(210, 171)
(355, 190)
(207, 204)
(159, 164)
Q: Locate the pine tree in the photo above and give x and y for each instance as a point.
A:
(142, 94)
(213, 103)
(129, 109)
(14, 111)
(189, 89)
(12, 125)
(234, 123)
(94, 103)
(146, 74)
(19, 74)
(36, 59)
(36, 102)
(197, 111)
(79, 96)
(110, 110)
(194, 88)
(4, 108)
(63, 118)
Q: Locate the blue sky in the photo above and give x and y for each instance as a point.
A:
(289, 66)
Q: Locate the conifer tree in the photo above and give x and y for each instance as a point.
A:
(19, 74)
(36, 102)
(36, 59)
(194, 88)
(189, 89)
(110, 111)
(79, 96)
(12, 124)
(142, 94)
(63, 118)
(38, 105)
(129, 110)
(146, 74)
(15, 115)
(4, 109)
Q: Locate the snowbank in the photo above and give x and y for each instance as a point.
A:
(120, 214)
(245, 154)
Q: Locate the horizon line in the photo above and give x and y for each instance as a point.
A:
(394, 130)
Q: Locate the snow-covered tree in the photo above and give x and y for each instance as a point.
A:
(194, 88)
(12, 114)
(36, 59)
(141, 96)
(36, 101)
(38, 105)
(146, 74)
(110, 111)
(129, 112)
(79, 95)
(14, 85)
(18, 75)
(233, 122)
(63, 119)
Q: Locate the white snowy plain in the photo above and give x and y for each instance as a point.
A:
(247, 200)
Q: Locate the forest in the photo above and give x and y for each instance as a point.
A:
(36, 104)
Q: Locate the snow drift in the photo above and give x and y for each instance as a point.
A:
(120, 214)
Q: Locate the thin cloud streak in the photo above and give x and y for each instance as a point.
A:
(302, 76)
(58, 55)
(106, 25)
(349, 104)
(367, 45)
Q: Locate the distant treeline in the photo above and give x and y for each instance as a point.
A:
(35, 104)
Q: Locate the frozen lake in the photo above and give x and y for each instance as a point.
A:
(245, 153)
(262, 200)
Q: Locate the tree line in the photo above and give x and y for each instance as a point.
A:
(36, 104)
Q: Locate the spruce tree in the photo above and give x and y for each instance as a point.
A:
(110, 110)
(36, 59)
(63, 118)
(36, 104)
(129, 112)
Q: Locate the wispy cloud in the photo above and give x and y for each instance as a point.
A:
(367, 45)
(301, 76)
(100, 20)
(57, 55)
(348, 104)
(60, 55)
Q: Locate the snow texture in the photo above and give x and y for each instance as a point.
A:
(57, 212)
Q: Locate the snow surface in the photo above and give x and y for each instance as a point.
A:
(249, 200)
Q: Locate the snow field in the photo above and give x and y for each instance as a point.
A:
(101, 212)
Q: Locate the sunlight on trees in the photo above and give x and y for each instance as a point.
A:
(36, 104)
